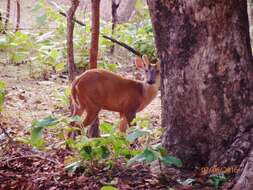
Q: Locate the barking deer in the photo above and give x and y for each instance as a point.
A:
(98, 89)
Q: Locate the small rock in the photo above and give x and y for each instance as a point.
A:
(45, 82)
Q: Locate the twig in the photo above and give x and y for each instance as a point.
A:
(109, 121)
(75, 20)
(32, 156)
(123, 45)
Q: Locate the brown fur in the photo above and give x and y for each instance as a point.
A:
(98, 89)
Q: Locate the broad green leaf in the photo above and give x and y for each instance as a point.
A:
(217, 180)
(105, 152)
(106, 127)
(46, 122)
(137, 158)
(149, 155)
(54, 54)
(158, 147)
(76, 118)
(135, 135)
(86, 152)
(108, 188)
(87, 149)
(60, 66)
(171, 160)
(36, 137)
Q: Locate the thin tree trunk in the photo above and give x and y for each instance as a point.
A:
(207, 82)
(70, 29)
(7, 14)
(94, 33)
(115, 7)
(18, 16)
(126, 9)
(1, 24)
(93, 130)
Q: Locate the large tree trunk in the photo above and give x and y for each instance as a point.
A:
(207, 86)
(250, 12)
(70, 30)
(94, 33)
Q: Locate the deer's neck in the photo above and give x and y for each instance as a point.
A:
(149, 93)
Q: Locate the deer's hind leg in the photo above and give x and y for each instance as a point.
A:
(93, 130)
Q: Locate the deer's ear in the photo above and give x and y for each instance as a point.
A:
(139, 62)
(145, 60)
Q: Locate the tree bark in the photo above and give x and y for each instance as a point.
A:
(7, 17)
(18, 16)
(250, 13)
(1, 23)
(94, 33)
(70, 30)
(207, 82)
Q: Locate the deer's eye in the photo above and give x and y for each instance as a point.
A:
(146, 70)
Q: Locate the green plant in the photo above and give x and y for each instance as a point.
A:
(105, 150)
(156, 152)
(113, 145)
(52, 45)
(217, 180)
(104, 64)
(110, 146)
(140, 36)
(18, 45)
(36, 129)
(55, 126)
(64, 98)
(108, 188)
(2, 94)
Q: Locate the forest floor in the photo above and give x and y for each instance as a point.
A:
(23, 167)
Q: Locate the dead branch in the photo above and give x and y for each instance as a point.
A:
(129, 48)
